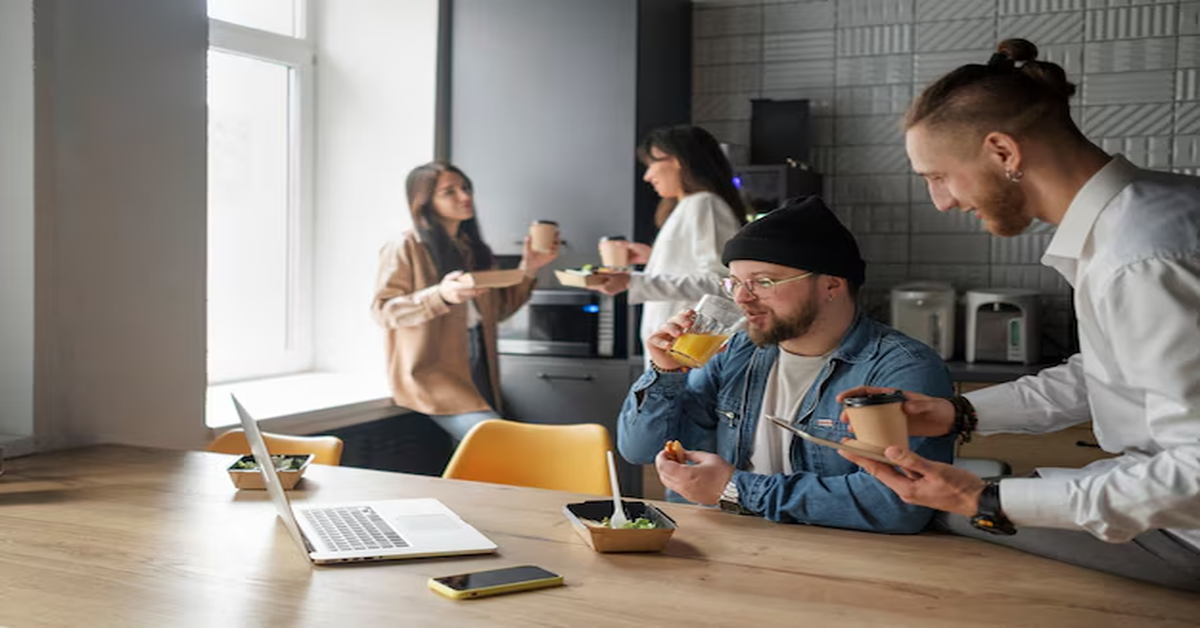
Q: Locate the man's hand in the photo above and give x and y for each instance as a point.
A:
(702, 482)
(612, 284)
(927, 416)
(928, 483)
(657, 344)
(452, 290)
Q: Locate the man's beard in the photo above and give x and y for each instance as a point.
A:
(794, 326)
(1003, 209)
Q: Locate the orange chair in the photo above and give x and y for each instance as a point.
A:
(558, 457)
(326, 449)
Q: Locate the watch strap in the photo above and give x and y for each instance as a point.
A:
(990, 516)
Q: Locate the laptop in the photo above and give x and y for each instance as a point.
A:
(365, 531)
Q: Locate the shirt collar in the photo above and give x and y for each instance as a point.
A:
(1072, 234)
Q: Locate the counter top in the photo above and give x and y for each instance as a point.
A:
(992, 372)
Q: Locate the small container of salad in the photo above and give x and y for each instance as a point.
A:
(289, 467)
(647, 530)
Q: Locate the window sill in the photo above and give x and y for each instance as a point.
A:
(303, 403)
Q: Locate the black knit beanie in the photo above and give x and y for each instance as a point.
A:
(803, 234)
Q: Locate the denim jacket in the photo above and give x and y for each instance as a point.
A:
(716, 408)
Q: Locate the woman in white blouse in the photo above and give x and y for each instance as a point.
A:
(700, 210)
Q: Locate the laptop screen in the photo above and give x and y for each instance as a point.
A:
(270, 478)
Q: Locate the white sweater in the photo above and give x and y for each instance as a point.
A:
(685, 262)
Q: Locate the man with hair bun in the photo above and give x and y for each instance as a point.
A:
(998, 140)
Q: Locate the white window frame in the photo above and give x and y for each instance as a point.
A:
(299, 55)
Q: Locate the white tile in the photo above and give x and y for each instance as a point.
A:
(887, 189)
(1023, 249)
(927, 219)
(797, 74)
(1128, 87)
(950, 248)
(955, 35)
(930, 66)
(865, 41)
(883, 249)
(1187, 118)
(820, 99)
(1010, 7)
(872, 160)
(874, 99)
(931, 10)
(1189, 18)
(874, 130)
(1147, 152)
(802, 16)
(724, 21)
(868, 12)
(962, 276)
(1129, 55)
(1186, 151)
(1156, 20)
(805, 46)
(738, 78)
(1043, 28)
(726, 50)
(721, 107)
(1121, 120)
(874, 70)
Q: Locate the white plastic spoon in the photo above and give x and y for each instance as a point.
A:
(617, 520)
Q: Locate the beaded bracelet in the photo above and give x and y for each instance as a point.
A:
(965, 418)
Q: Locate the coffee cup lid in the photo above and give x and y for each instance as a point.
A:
(876, 399)
(616, 237)
(545, 222)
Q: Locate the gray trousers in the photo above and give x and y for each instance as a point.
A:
(1156, 556)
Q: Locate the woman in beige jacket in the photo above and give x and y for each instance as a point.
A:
(441, 331)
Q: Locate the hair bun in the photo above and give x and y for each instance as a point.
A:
(1018, 49)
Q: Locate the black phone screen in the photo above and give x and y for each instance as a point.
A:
(495, 577)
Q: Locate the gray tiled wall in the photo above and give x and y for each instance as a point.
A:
(860, 62)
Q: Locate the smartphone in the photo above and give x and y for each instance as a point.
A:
(494, 582)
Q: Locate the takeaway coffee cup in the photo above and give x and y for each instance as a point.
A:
(878, 420)
(543, 233)
(614, 251)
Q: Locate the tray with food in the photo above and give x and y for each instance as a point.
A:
(586, 275)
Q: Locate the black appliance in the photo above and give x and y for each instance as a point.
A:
(778, 131)
(767, 187)
(572, 323)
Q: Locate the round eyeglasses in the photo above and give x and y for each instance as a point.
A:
(757, 287)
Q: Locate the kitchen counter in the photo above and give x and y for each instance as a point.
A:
(992, 372)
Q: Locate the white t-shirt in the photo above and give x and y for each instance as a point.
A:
(790, 378)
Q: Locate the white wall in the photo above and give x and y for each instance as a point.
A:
(121, 229)
(16, 217)
(376, 73)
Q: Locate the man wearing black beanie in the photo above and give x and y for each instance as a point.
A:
(795, 274)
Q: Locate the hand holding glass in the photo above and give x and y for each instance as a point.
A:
(716, 320)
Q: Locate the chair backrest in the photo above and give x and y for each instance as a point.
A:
(558, 457)
(326, 449)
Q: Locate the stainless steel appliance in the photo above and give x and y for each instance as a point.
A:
(1003, 325)
(573, 323)
(925, 311)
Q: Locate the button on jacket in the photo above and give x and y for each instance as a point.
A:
(716, 408)
(1130, 246)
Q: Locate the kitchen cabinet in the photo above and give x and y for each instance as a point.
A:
(560, 390)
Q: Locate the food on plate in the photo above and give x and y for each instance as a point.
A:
(282, 462)
(593, 269)
(641, 523)
(674, 451)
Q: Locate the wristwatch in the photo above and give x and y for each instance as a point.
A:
(729, 501)
(990, 517)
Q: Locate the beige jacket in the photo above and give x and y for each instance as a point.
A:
(427, 353)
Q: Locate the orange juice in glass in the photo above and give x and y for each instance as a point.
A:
(716, 320)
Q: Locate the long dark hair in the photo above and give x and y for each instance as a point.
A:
(1013, 93)
(704, 167)
(466, 252)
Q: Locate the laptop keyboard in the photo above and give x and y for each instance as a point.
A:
(353, 528)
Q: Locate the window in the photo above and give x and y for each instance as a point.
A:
(260, 67)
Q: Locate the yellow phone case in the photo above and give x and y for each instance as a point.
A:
(511, 587)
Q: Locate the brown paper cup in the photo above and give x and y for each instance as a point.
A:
(878, 426)
(543, 234)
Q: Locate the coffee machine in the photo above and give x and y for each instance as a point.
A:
(1003, 325)
(925, 311)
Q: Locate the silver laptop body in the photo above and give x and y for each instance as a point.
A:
(362, 531)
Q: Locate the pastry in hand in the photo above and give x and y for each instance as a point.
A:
(674, 451)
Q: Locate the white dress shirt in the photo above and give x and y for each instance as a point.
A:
(685, 263)
(1130, 246)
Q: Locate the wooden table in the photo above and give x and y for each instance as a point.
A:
(123, 536)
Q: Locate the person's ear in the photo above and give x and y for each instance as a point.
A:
(831, 285)
(1003, 150)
